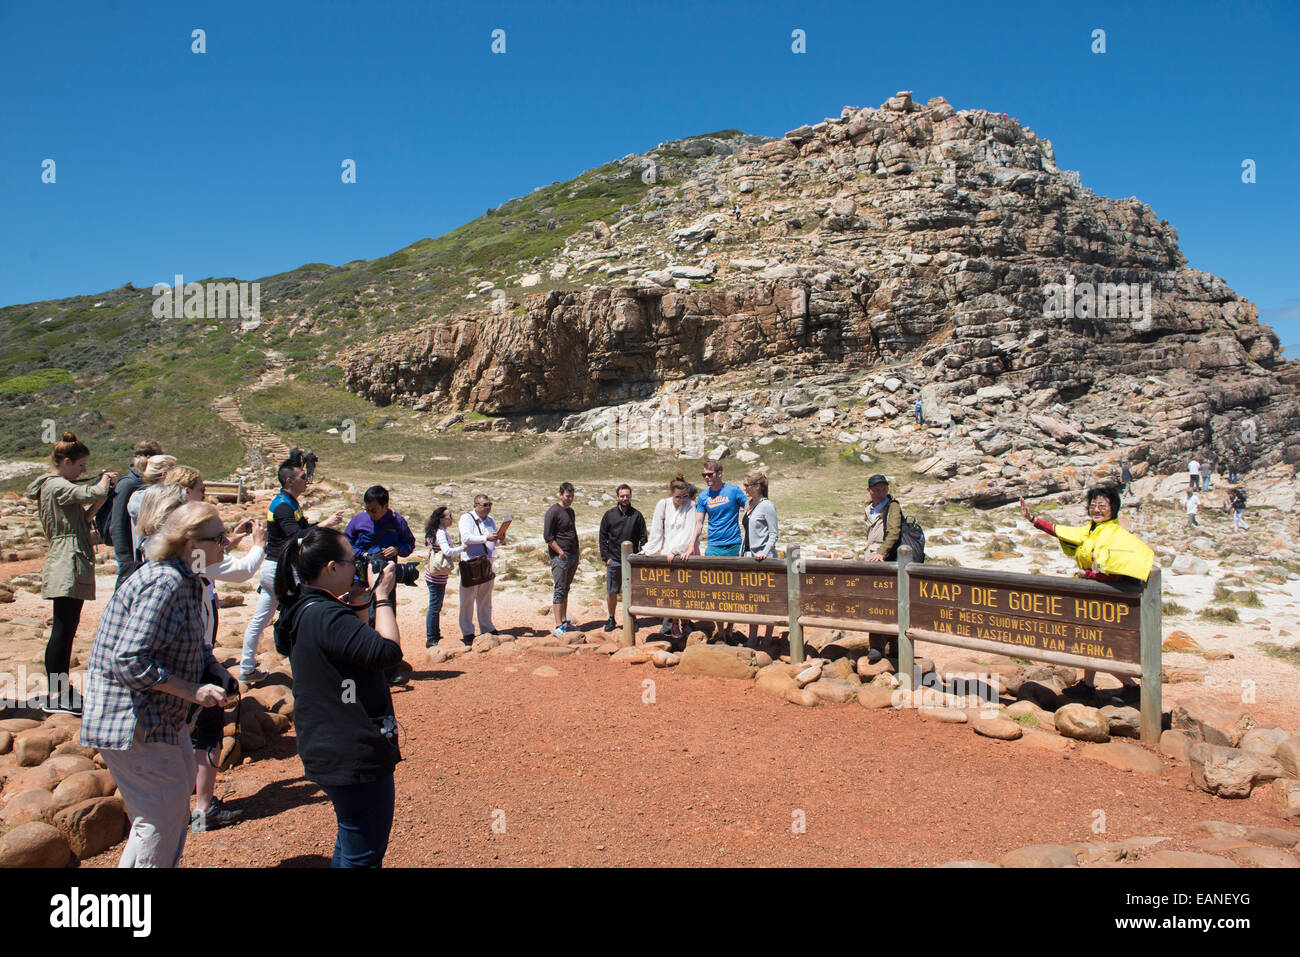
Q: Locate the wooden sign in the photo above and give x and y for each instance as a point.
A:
(1062, 616)
(719, 589)
(854, 596)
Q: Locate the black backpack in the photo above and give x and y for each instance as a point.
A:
(104, 518)
(911, 535)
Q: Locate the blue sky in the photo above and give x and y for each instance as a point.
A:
(228, 162)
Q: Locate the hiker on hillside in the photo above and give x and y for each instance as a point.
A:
(620, 524)
(560, 533)
(1193, 475)
(671, 531)
(1238, 506)
(66, 508)
(120, 520)
(1104, 551)
(1125, 478)
(285, 522)
(309, 464)
(1192, 505)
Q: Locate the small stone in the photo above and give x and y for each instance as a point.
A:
(32, 748)
(835, 690)
(943, 715)
(665, 659)
(1045, 740)
(1183, 859)
(1220, 829)
(484, 643)
(965, 864)
(632, 655)
(875, 696)
(1266, 857)
(1126, 757)
(775, 680)
(1175, 744)
(1040, 855)
(1272, 837)
(1000, 729)
(808, 675)
(1123, 722)
(6, 742)
(721, 661)
(802, 697)
(1082, 723)
(1178, 640)
(545, 671)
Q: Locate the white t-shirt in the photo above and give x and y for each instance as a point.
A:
(1193, 503)
(1193, 467)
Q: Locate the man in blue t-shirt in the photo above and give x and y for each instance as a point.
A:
(724, 503)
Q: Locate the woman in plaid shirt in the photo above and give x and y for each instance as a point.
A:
(148, 667)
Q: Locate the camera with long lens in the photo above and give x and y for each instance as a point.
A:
(408, 573)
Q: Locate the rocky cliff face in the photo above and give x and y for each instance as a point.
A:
(946, 247)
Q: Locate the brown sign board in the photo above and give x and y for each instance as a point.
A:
(1033, 613)
(724, 589)
(848, 592)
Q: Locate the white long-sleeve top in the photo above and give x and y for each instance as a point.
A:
(229, 569)
(473, 535)
(672, 530)
(442, 543)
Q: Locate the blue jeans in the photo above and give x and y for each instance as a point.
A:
(365, 815)
(432, 621)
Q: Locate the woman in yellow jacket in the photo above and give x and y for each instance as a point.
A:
(1106, 552)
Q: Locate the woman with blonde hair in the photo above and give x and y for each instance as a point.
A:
(148, 664)
(154, 469)
(68, 576)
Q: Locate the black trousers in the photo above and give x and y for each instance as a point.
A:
(58, 650)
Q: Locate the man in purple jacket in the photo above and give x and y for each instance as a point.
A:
(380, 531)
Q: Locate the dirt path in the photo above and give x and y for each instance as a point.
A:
(262, 447)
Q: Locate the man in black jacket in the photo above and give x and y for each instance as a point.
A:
(120, 520)
(622, 523)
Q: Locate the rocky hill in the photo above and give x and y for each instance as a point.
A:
(942, 252)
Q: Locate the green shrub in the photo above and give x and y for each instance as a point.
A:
(37, 380)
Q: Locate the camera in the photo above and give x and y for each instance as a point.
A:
(408, 573)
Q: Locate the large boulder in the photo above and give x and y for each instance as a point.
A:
(1082, 723)
(1211, 722)
(276, 698)
(1288, 755)
(836, 690)
(31, 805)
(92, 826)
(35, 844)
(1229, 772)
(1286, 798)
(1124, 722)
(1263, 741)
(82, 786)
(719, 661)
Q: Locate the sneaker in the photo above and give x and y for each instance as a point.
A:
(431, 642)
(1127, 694)
(217, 815)
(1080, 689)
(668, 627)
(253, 677)
(568, 625)
(399, 679)
(55, 706)
(559, 631)
(610, 625)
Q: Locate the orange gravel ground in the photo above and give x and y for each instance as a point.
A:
(577, 770)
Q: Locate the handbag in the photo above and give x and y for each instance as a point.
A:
(475, 571)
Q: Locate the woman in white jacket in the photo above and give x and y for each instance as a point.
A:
(672, 533)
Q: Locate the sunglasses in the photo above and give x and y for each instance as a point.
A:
(222, 539)
(708, 474)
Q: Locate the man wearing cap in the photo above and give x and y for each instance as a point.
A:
(884, 528)
(884, 521)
